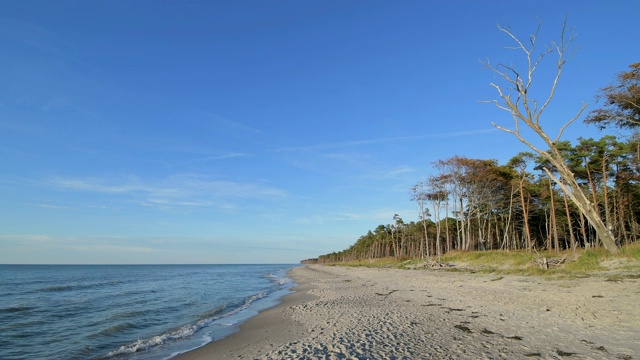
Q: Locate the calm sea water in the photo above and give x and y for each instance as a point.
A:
(128, 312)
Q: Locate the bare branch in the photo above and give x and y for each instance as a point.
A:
(497, 104)
(532, 40)
(584, 106)
(514, 132)
(523, 140)
(559, 65)
(514, 38)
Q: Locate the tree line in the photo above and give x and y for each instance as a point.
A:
(568, 196)
(478, 204)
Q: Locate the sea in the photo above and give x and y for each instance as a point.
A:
(129, 311)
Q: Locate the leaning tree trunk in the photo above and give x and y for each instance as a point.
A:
(525, 214)
(566, 208)
(584, 205)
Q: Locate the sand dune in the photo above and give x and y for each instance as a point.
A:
(363, 313)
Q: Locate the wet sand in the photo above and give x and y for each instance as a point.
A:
(363, 313)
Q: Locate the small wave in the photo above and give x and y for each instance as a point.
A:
(21, 325)
(16, 309)
(60, 288)
(130, 314)
(211, 313)
(278, 279)
(184, 331)
(56, 288)
(144, 344)
(117, 329)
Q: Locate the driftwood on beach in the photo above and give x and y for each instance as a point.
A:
(550, 263)
(429, 263)
(437, 264)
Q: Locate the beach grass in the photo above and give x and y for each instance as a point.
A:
(520, 262)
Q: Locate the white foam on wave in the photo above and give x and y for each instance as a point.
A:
(182, 332)
(278, 279)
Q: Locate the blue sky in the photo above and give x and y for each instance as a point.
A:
(257, 131)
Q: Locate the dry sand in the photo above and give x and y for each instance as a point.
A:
(363, 313)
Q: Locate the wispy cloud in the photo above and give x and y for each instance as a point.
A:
(184, 190)
(50, 206)
(177, 185)
(128, 245)
(380, 215)
(204, 152)
(366, 165)
(353, 143)
(88, 244)
(112, 248)
(36, 38)
(237, 125)
(227, 156)
(393, 173)
(27, 238)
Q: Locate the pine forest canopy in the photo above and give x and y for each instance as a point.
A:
(621, 102)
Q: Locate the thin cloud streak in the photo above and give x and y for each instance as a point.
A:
(227, 156)
(382, 215)
(49, 206)
(136, 244)
(35, 238)
(394, 172)
(174, 186)
(112, 248)
(178, 191)
(385, 140)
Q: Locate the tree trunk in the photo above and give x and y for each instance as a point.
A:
(583, 229)
(566, 207)
(605, 193)
(584, 205)
(554, 220)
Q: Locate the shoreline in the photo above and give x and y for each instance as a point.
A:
(265, 330)
(365, 313)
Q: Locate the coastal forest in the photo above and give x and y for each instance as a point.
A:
(573, 194)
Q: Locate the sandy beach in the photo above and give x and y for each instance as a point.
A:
(364, 313)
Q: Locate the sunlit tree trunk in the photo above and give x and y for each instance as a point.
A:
(554, 219)
(566, 207)
(605, 193)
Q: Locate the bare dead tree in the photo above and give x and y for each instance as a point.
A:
(515, 100)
